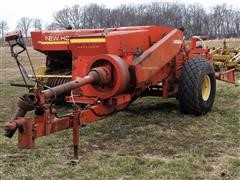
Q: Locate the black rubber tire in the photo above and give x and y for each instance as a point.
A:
(190, 87)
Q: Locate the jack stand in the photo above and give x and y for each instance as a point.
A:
(76, 116)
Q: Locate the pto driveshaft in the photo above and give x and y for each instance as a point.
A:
(30, 101)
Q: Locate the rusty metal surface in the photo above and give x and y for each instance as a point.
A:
(156, 57)
(61, 89)
(227, 76)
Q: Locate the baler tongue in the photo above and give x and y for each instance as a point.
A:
(28, 102)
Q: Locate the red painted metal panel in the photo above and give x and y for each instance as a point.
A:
(156, 57)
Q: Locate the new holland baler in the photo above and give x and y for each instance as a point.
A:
(106, 70)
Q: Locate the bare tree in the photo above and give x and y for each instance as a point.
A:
(25, 24)
(69, 17)
(236, 23)
(37, 24)
(95, 16)
(3, 28)
(219, 21)
(52, 26)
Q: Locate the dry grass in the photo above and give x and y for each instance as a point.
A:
(234, 43)
(9, 70)
(149, 140)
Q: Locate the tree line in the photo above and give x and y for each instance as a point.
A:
(219, 21)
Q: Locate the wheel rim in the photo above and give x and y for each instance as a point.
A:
(206, 87)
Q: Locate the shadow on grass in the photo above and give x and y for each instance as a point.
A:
(155, 107)
(150, 127)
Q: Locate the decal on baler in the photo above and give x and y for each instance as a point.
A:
(88, 40)
(53, 42)
(75, 41)
(177, 41)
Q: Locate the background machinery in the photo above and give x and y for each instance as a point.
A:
(225, 57)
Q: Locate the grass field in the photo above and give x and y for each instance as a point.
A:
(149, 140)
(233, 42)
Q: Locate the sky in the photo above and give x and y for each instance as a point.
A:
(12, 10)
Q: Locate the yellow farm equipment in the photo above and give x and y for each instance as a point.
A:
(225, 57)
